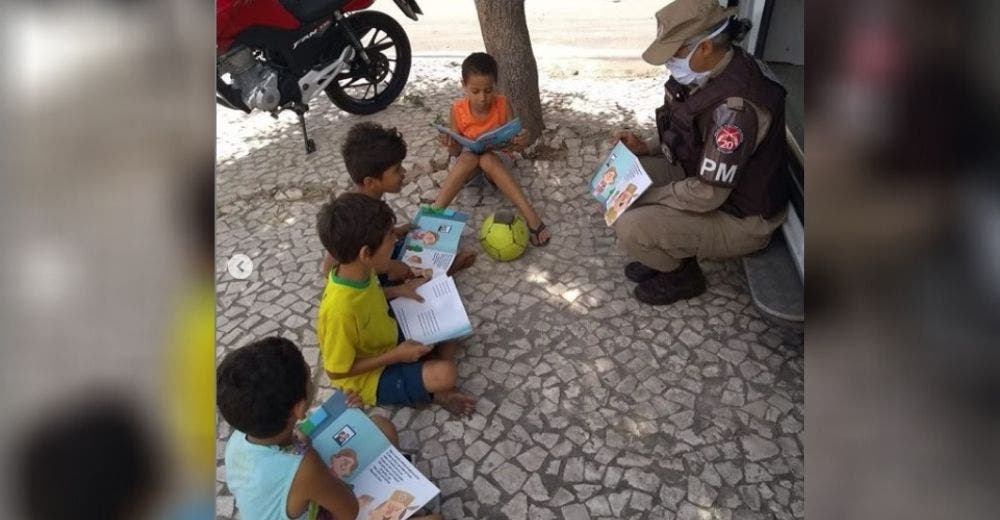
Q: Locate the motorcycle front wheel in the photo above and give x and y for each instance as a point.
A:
(367, 88)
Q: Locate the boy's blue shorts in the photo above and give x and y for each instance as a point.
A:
(402, 383)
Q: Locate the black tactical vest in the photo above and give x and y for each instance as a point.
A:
(762, 184)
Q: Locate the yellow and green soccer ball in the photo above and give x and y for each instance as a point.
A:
(504, 236)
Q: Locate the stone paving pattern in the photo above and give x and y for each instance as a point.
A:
(591, 405)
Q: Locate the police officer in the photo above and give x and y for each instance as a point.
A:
(717, 161)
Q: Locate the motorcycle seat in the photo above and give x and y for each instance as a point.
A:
(308, 11)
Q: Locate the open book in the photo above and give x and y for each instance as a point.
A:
(360, 455)
(618, 181)
(440, 317)
(434, 244)
(496, 138)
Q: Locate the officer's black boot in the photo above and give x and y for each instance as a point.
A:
(687, 281)
(639, 272)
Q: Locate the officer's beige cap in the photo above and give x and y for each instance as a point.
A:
(680, 21)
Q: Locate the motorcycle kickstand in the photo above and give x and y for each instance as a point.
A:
(310, 144)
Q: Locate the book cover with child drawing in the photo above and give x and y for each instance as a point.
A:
(431, 247)
(497, 138)
(618, 182)
(386, 484)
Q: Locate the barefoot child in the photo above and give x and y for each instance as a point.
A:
(262, 390)
(360, 343)
(480, 111)
(374, 157)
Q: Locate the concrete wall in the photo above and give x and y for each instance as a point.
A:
(786, 34)
(785, 37)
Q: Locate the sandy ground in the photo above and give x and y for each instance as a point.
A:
(596, 37)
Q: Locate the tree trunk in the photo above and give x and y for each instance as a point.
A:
(505, 34)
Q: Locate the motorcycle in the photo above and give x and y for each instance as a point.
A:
(276, 55)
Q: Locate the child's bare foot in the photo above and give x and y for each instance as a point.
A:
(463, 260)
(456, 402)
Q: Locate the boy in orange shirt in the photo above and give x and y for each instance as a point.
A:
(480, 111)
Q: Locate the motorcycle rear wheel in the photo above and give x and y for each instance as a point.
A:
(369, 88)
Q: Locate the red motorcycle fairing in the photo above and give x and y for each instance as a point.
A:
(234, 16)
(357, 5)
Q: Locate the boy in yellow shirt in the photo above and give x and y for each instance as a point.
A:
(362, 347)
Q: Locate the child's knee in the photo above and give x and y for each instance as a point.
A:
(490, 160)
(465, 165)
(388, 429)
(467, 159)
(447, 372)
(441, 374)
(493, 166)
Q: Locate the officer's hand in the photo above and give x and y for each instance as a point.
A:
(632, 142)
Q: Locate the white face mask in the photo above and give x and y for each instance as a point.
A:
(680, 68)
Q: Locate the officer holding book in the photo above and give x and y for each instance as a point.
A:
(717, 161)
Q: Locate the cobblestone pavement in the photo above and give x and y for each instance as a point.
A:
(591, 404)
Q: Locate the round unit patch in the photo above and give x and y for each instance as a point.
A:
(728, 138)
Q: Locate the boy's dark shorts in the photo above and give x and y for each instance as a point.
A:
(402, 383)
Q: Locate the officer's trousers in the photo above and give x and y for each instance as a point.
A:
(661, 236)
